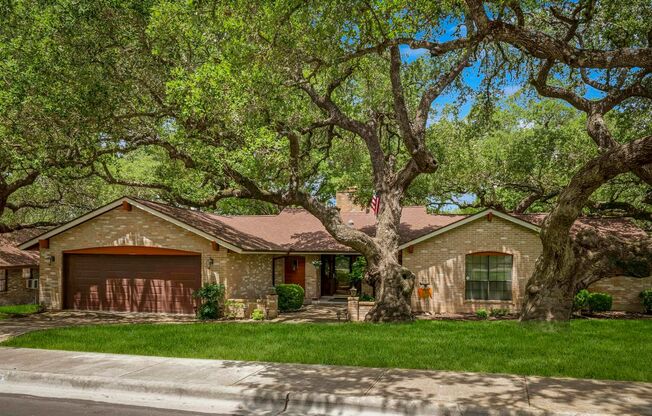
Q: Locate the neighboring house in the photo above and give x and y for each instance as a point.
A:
(19, 269)
(137, 255)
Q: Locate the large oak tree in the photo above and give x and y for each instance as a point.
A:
(264, 100)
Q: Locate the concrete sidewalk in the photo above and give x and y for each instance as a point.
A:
(236, 387)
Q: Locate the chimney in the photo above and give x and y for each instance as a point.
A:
(344, 201)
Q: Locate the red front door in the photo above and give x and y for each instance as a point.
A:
(295, 270)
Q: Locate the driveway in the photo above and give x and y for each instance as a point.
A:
(12, 327)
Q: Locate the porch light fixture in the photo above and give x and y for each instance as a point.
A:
(210, 262)
(49, 258)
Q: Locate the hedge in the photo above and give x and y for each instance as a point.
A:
(290, 297)
(600, 302)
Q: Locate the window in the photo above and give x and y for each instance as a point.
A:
(489, 277)
(4, 280)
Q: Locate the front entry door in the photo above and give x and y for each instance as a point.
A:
(328, 280)
(295, 270)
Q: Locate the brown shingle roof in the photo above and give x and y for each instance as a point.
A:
(622, 228)
(11, 255)
(295, 229)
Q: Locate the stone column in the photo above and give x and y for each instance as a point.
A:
(271, 306)
(353, 308)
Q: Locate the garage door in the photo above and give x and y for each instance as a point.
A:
(139, 283)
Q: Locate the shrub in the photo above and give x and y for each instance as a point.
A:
(257, 315)
(358, 270)
(599, 302)
(366, 298)
(498, 312)
(482, 313)
(646, 298)
(581, 300)
(212, 298)
(290, 297)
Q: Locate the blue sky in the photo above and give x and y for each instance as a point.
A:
(473, 78)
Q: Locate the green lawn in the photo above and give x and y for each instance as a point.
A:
(603, 349)
(6, 311)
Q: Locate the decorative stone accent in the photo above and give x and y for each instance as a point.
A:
(357, 309)
(271, 306)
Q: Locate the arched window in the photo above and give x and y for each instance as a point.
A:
(489, 276)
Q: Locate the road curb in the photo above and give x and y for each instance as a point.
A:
(234, 399)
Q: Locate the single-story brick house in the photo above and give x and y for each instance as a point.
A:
(19, 269)
(138, 255)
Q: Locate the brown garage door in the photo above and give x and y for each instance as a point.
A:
(146, 283)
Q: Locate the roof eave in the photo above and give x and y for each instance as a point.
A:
(115, 204)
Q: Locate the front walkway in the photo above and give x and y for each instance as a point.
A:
(270, 388)
(317, 312)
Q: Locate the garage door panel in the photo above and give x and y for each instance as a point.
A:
(132, 283)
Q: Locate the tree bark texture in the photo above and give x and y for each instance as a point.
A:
(550, 290)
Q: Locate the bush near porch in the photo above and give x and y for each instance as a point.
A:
(290, 297)
(601, 349)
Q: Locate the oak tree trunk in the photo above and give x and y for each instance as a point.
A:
(549, 292)
(394, 282)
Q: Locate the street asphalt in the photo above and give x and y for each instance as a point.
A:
(19, 405)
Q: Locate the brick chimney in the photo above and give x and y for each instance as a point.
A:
(344, 201)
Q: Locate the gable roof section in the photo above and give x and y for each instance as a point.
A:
(296, 230)
(470, 218)
(198, 222)
(11, 255)
(292, 230)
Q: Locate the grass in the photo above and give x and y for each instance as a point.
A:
(7, 311)
(600, 349)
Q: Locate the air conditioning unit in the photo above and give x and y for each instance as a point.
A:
(32, 283)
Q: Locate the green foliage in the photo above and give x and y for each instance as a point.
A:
(212, 297)
(581, 300)
(646, 299)
(18, 310)
(257, 315)
(599, 302)
(290, 297)
(358, 270)
(482, 313)
(498, 312)
(365, 297)
(585, 348)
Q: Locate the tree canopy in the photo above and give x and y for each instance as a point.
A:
(284, 102)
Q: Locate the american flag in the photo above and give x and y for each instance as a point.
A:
(375, 204)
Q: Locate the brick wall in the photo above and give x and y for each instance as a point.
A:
(441, 262)
(313, 278)
(17, 292)
(244, 275)
(625, 291)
